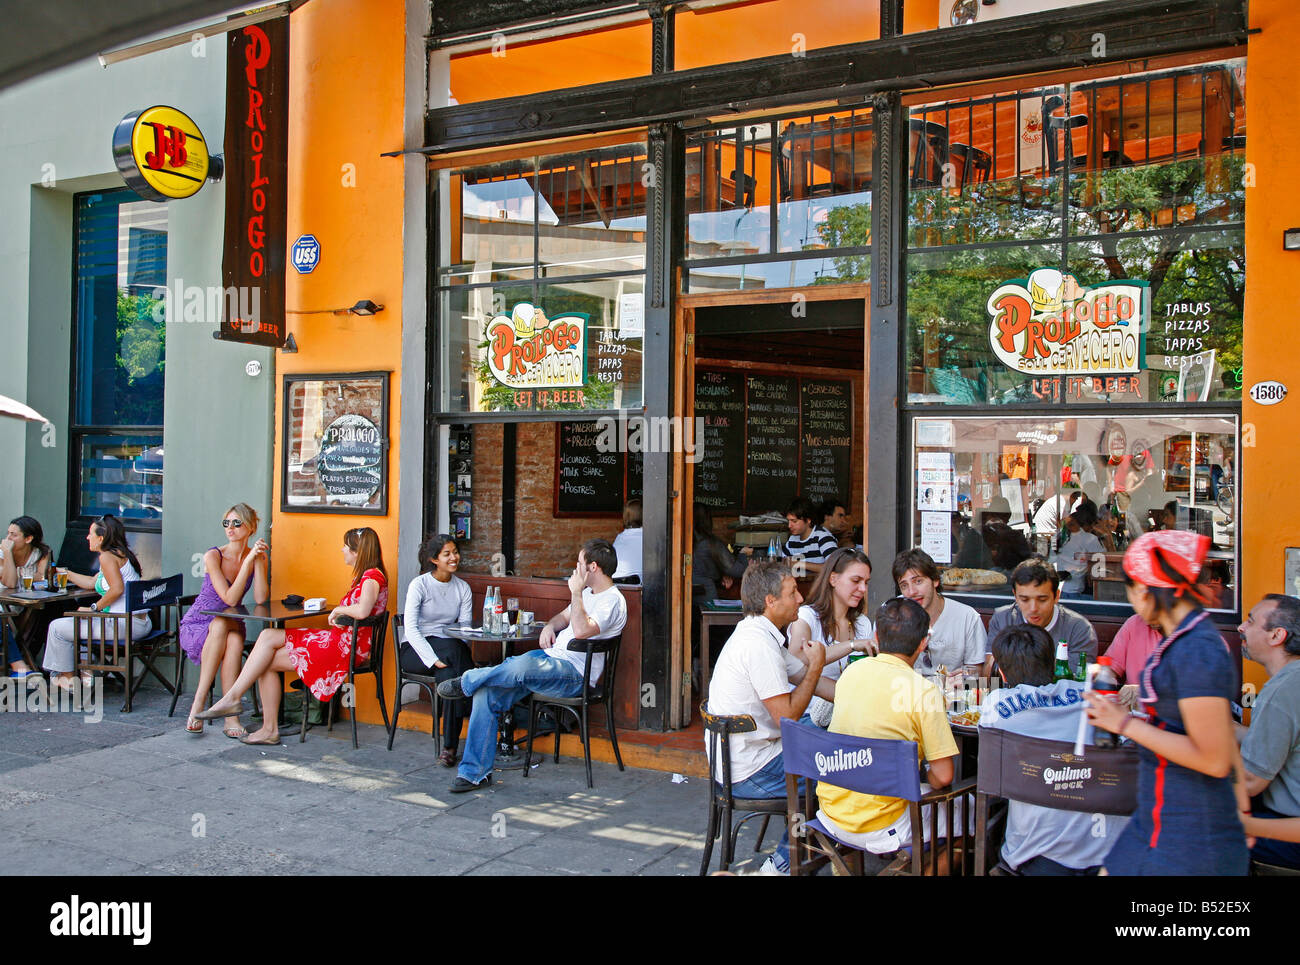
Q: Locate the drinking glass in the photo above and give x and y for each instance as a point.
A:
(63, 580)
(512, 614)
(27, 583)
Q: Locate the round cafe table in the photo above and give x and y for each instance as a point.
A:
(493, 648)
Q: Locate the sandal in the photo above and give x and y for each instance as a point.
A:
(235, 733)
(194, 727)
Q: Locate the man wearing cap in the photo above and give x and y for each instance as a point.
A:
(1270, 747)
(1037, 589)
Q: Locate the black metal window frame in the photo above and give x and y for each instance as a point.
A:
(78, 432)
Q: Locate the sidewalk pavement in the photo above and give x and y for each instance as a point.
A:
(134, 794)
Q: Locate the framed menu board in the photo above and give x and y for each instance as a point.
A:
(335, 444)
(769, 437)
(589, 482)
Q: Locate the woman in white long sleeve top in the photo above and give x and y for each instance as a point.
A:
(435, 600)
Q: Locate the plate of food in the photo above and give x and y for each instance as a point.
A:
(966, 576)
(967, 718)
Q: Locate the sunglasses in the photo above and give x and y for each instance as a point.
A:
(231, 523)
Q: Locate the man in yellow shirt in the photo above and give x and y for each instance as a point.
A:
(883, 697)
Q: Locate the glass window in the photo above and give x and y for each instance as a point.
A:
(817, 167)
(575, 214)
(830, 270)
(556, 346)
(119, 343)
(740, 32)
(510, 68)
(1132, 188)
(991, 492)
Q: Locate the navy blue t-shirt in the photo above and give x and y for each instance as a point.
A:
(1186, 822)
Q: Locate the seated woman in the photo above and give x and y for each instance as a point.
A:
(712, 562)
(319, 656)
(25, 556)
(627, 544)
(118, 566)
(435, 600)
(833, 616)
(215, 641)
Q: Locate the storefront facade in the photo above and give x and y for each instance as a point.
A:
(1019, 246)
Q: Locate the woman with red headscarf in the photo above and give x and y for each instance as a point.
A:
(1186, 819)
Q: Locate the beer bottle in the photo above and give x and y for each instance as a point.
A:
(1105, 684)
(1081, 668)
(1062, 669)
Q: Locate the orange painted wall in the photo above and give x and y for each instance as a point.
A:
(346, 92)
(1270, 467)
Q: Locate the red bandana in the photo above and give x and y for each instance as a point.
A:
(1181, 551)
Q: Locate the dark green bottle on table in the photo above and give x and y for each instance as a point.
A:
(1081, 668)
(1062, 669)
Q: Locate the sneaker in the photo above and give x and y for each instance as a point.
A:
(450, 690)
(460, 785)
(769, 868)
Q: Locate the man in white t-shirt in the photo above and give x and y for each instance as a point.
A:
(596, 611)
(756, 675)
(957, 637)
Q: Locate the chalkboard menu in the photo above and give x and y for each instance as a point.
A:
(589, 482)
(720, 402)
(348, 466)
(772, 446)
(768, 438)
(826, 425)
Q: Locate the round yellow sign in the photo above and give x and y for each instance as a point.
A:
(161, 153)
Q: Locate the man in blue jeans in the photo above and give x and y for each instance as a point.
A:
(758, 676)
(596, 611)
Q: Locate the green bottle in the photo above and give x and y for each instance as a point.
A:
(1062, 670)
(1081, 668)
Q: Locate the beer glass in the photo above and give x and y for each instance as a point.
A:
(27, 583)
(63, 580)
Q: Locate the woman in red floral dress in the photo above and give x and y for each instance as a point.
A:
(319, 656)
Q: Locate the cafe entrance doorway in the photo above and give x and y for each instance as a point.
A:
(778, 378)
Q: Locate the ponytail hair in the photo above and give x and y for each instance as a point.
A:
(364, 541)
(113, 536)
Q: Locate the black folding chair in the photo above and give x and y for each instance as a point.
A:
(426, 682)
(378, 625)
(1011, 766)
(592, 694)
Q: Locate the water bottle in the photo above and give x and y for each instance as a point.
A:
(499, 622)
(773, 551)
(487, 611)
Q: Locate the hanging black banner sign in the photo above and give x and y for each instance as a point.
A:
(257, 165)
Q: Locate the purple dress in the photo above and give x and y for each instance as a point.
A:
(194, 628)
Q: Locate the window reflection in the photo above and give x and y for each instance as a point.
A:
(990, 493)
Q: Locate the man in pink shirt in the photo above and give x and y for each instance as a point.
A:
(1132, 645)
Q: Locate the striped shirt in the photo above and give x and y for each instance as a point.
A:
(814, 548)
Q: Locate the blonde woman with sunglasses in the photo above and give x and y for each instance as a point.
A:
(212, 642)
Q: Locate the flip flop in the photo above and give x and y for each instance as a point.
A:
(235, 733)
(272, 743)
(191, 729)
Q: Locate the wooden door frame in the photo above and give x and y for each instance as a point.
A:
(683, 496)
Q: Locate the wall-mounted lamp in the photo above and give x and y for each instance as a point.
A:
(1291, 239)
(364, 307)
